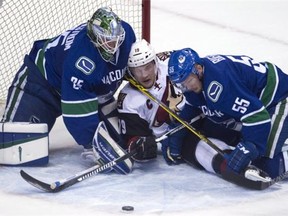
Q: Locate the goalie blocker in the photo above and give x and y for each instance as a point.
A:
(24, 144)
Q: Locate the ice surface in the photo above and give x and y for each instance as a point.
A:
(256, 28)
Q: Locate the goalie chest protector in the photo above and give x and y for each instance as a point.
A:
(24, 144)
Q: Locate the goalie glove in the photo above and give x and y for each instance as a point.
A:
(146, 148)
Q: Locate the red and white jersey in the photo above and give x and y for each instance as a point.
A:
(139, 115)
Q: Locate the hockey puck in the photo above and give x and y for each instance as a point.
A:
(127, 208)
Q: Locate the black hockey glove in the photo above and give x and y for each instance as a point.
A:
(146, 148)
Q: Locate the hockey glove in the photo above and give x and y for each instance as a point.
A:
(171, 149)
(146, 148)
(240, 157)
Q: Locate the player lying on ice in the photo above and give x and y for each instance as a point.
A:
(239, 93)
(74, 75)
(142, 121)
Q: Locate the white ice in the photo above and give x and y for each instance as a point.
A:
(255, 28)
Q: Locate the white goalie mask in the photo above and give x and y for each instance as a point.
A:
(106, 32)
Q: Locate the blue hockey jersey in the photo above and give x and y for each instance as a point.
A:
(240, 89)
(73, 66)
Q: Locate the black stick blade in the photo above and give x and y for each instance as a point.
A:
(36, 183)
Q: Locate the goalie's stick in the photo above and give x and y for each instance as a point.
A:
(167, 109)
(78, 177)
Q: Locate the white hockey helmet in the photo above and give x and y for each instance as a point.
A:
(141, 53)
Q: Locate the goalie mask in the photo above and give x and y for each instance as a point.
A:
(106, 32)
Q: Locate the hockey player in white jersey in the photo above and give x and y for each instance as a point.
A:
(139, 116)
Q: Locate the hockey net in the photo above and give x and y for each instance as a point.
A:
(24, 21)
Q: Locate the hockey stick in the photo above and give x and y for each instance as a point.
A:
(179, 127)
(240, 180)
(227, 175)
(78, 177)
(167, 109)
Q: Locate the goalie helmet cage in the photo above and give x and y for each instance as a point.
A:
(22, 22)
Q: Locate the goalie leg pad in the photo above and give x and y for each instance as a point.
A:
(109, 114)
(109, 150)
(24, 144)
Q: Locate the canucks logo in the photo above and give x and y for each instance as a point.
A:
(85, 65)
(214, 90)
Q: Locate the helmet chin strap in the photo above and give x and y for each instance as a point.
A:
(201, 73)
(156, 73)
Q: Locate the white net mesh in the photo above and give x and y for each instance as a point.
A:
(24, 21)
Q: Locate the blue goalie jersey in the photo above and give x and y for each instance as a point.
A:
(73, 68)
(83, 78)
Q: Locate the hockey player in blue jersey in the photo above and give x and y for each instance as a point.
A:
(243, 94)
(73, 74)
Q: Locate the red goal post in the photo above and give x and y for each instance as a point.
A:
(24, 21)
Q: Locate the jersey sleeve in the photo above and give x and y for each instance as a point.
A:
(131, 115)
(82, 89)
(79, 109)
